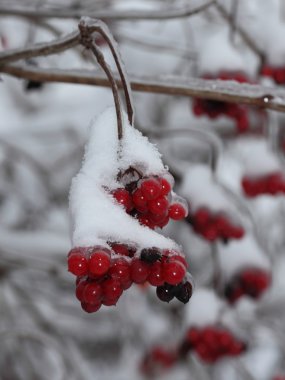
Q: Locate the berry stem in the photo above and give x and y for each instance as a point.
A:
(86, 28)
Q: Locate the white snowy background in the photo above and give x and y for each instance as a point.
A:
(44, 334)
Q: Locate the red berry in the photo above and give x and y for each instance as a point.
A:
(201, 217)
(155, 277)
(123, 197)
(120, 270)
(151, 188)
(140, 201)
(158, 206)
(146, 220)
(173, 272)
(177, 211)
(120, 249)
(99, 262)
(165, 186)
(90, 308)
(92, 293)
(164, 222)
(80, 289)
(112, 290)
(139, 271)
(77, 262)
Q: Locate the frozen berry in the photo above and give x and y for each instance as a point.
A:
(140, 201)
(99, 262)
(77, 262)
(173, 272)
(151, 188)
(120, 270)
(150, 255)
(177, 211)
(90, 308)
(92, 293)
(139, 271)
(165, 292)
(112, 290)
(123, 197)
(155, 277)
(158, 206)
(183, 292)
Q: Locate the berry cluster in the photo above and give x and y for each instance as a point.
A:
(268, 184)
(214, 108)
(211, 343)
(157, 360)
(250, 282)
(277, 73)
(149, 199)
(103, 274)
(214, 226)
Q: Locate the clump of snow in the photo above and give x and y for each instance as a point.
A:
(213, 60)
(256, 156)
(96, 217)
(245, 253)
(204, 309)
(201, 190)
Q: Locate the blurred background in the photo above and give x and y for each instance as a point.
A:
(228, 162)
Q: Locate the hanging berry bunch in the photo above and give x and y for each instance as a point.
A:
(214, 109)
(211, 343)
(276, 73)
(122, 192)
(211, 215)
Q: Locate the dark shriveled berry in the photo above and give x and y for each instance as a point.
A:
(165, 292)
(183, 292)
(150, 255)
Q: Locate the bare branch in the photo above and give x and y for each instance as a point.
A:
(40, 49)
(159, 14)
(227, 91)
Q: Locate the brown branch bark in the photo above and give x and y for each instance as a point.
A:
(228, 91)
(159, 14)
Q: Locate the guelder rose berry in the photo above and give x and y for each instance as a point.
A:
(77, 262)
(99, 262)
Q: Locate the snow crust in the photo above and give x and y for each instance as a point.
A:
(239, 254)
(204, 309)
(256, 156)
(95, 215)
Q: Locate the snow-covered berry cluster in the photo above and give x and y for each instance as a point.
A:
(251, 282)
(213, 226)
(273, 184)
(211, 343)
(150, 199)
(214, 108)
(277, 73)
(103, 274)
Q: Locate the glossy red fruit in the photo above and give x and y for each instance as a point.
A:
(123, 197)
(151, 188)
(158, 206)
(90, 308)
(120, 270)
(139, 271)
(92, 293)
(165, 186)
(202, 217)
(99, 262)
(80, 289)
(155, 277)
(112, 291)
(147, 221)
(177, 211)
(173, 272)
(77, 262)
(140, 201)
(120, 249)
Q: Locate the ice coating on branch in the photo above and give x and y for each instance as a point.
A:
(245, 253)
(205, 308)
(256, 156)
(96, 218)
(200, 189)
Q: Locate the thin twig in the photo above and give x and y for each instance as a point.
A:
(226, 91)
(100, 27)
(159, 14)
(87, 41)
(40, 49)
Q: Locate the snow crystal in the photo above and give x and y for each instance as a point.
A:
(96, 217)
